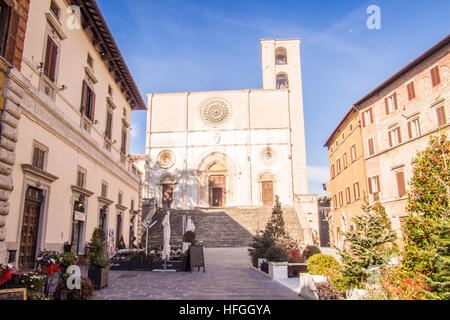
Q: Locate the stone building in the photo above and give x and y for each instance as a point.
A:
(397, 119)
(347, 187)
(236, 148)
(390, 125)
(70, 167)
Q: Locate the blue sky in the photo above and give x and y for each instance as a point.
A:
(202, 45)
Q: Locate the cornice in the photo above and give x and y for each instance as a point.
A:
(41, 174)
(81, 190)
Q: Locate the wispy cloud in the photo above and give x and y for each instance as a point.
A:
(134, 134)
(318, 174)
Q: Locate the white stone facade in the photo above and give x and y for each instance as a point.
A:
(222, 148)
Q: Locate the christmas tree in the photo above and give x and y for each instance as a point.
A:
(368, 245)
(97, 250)
(275, 226)
(426, 230)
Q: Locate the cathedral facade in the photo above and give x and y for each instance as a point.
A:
(237, 148)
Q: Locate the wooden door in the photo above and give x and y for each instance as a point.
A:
(29, 234)
(267, 193)
(217, 197)
(167, 195)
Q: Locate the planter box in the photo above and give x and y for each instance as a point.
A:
(120, 265)
(99, 277)
(264, 267)
(138, 264)
(278, 270)
(171, 265)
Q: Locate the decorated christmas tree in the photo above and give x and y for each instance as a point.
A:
(426, 231)
(368, 245)
(97, 249)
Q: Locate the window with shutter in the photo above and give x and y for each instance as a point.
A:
(401, 184)
(435, 77)
(123, 147)
(50, 59)
(370, 185)
(356, 190)
(108, 131)
(333, 173)
(341, 199)
(370, 146)
(88, 101)
(441, 116)
(414, 128)
(38, 157)
(353, 151)
(344, 159)
(338, 165)
(348, 195)
(5, 14)
(411, 91)
(104, 189)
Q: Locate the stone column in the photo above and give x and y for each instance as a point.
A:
(10, 117)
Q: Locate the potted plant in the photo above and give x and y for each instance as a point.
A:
(83, 258)
(68, 247)
(278, 260)
(49, 261)
(34, 283)
(98, 262)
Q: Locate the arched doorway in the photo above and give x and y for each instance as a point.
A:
(217, 187)
(167, 195)
(267, 189)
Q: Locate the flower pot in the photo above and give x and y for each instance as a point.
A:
(278, 270)
(99, 277)
(68, 248)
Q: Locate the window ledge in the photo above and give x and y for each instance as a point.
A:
(91, 74)
(82, 190)
(105, 200)
(56, 25)
(121, 207)
(111, 102)
(35, 171)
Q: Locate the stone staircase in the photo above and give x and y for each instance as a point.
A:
(222, 227)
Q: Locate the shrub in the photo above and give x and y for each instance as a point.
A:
(322, 264)
(97, 250)
(189, 236)
(309, 251)
(276, 254)
(398, 287)
(294, 256)
(85, 293)
(326, 291)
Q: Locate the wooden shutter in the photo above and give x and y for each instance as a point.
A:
(84, 97)
(395, 101)
(12, 36)
(378, 183)
(401, 184)
(399, 135)
(92, 113)
(435, 78)
(386, 104)
(371, 149)
(390, 138)
(410, 129)
(363, 116)
(371, 115)
(441, 117)
(50, 59)
(411, 91)
(108, 124)
(370, 185)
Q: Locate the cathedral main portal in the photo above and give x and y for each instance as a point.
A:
(217, 185)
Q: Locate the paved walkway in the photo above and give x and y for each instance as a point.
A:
(228, 277)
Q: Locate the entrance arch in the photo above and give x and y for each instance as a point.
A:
(215, 176)
(267, 181)
(167, 184)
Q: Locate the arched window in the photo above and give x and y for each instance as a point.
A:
(280, 56)
(282, 81)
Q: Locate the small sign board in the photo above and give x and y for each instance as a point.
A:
(13, 294)
(78, 216)
(196, 257)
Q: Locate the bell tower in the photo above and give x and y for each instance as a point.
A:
(281, 70)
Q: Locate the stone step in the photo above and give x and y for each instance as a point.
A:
(222, 227)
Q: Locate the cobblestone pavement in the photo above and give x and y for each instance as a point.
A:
(228, 276)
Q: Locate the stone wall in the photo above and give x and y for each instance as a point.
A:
(9, 132)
